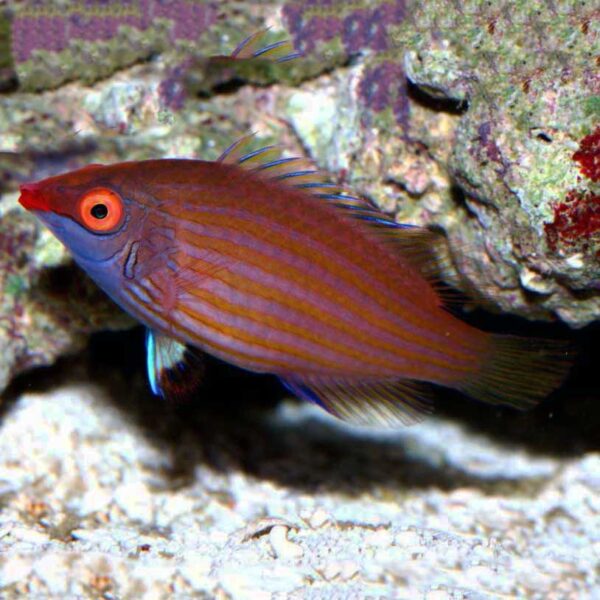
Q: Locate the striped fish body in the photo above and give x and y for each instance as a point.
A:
(296, 279)
(273, 279)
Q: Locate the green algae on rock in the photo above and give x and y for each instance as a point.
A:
(524, 77)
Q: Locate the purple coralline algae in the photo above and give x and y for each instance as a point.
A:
(54, 42)
(357, 28)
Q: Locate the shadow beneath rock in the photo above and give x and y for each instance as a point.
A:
(232, 427)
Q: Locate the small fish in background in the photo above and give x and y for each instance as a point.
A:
(256, 260)
(252, 48)
(252, 60)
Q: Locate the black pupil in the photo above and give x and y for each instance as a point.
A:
(99, 211)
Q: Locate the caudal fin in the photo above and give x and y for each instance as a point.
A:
(519, 372)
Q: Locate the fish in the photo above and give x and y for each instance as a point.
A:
(259, 260)
(253, 48)
(252, 60)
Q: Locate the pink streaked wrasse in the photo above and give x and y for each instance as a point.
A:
(258, 261)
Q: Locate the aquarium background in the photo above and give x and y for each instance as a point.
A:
(479, 119)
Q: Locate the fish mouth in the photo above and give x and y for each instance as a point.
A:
(32, 198)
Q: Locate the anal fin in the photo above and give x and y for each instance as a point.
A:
(174, 369)
(382, 403)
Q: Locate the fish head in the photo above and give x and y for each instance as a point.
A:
(87, 210)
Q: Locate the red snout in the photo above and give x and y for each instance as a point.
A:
(32, 198)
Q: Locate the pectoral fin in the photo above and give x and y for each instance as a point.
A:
(174, 369)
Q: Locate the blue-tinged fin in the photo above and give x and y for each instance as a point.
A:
(174, 369)
(254, 47)
(302, 391)
(151, 366)
(300, 173)
(424, 249)
(383, 404)
(294, 171)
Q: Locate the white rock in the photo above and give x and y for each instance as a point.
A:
(282, 547)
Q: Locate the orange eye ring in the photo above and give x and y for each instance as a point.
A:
(101, 210)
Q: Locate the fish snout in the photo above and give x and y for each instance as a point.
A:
(32, 197)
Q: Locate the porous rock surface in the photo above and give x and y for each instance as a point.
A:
(480, 121)
(476, 117)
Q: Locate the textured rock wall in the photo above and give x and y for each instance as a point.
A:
(506, 107)
(481, 121)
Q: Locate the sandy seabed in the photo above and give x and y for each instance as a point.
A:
(118, 497)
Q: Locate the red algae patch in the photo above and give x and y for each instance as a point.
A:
(576, 220)
(588, 155)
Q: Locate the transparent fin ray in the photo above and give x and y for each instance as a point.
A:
(296, 172)
(384, 404)
(520, 372)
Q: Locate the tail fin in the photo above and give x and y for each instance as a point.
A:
(520, 372)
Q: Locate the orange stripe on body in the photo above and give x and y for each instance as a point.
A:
(391, 303)
(314, 312)
(251, 256)
(246, 337)
(194, 337)
(277, 324)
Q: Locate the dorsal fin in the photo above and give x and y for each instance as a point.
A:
(421, 247)
(428, 251)
(253, 60)
(294, 171)
(254, 47)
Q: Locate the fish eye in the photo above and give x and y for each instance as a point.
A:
(101, 210)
